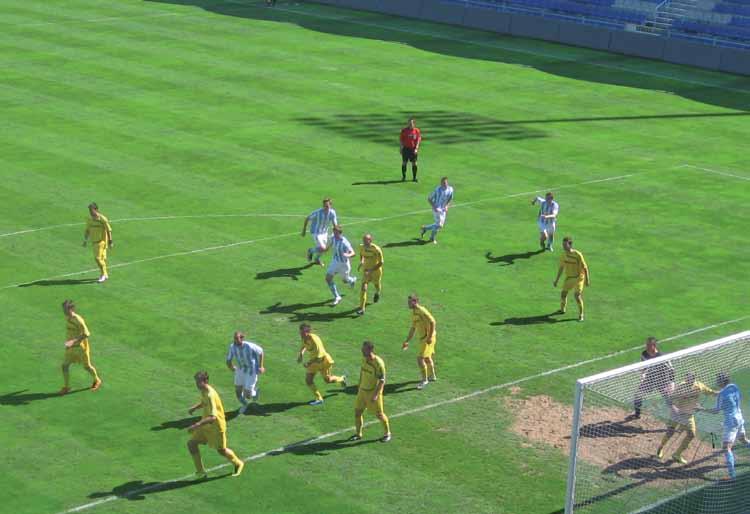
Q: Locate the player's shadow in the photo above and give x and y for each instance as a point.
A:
(21, 397)
(138, 489)
(615, 429)
(293, 273)
(267, 409)
(380, 182)
(66, 282)
(409, 242)
(388, 389)
(320, 448)
(296, 312)
(532, 320)
(181, 424)
(510, 258)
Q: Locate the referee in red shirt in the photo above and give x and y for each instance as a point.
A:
(410, 139)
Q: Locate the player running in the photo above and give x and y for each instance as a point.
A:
(99, 231)
(728, 402)
(576, 274)
(320, 362)
(250, 364)
(683, 403)
(319, 220)
(371, 259)
(340, 265)
(370, 392)
(547, 220)
(211, 429)
(409, 139)
(440, 200)
(77, 347)
(422, 323)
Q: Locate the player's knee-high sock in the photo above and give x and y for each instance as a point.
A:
(435, 229)
(414, 171)
(93, 373)
(315, 391)
(729, 456)
(386, 424)
(550, 239)
(431, 366)
(683, 445)
(665, 439)
(240, 396)
(403, 170)
(314, 252)
(358, 422)
(579, 301)
(66, 377)
(423, 370)
(198, 462)
(333, 288)
(362, 298)
(232, 457)
(563, 300)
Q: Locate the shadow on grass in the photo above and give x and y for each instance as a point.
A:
(293, 273)
(296, 314)
(320, 448)
(510, 258)
(182, 424)
(409, 242)
(388, 389)
(379, 182)
(533, 320)
(67, 282)
(138, 489)
(21, 397)
(266, 409)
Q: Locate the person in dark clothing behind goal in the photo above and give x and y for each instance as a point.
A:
(656, 378)
(410, 138)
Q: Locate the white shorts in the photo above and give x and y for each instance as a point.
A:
(340, 268)
(320, 240)
(439, 214)
(248, 381)
(546, 226)
(731, 433)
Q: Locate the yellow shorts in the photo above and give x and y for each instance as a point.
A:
(100, 250)
(682, 423)
(375, 276)
(575, 283)
(364, 402)
(427, 350)
(210, 435)
(78, 355)
(322, 366)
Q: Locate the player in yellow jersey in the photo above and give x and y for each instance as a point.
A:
(576, 275)
(424, 325)
(99, 231)
(370, 392)
(211, 429)
(683, 402)
(77, 347)
(320, 362)
(371, 259)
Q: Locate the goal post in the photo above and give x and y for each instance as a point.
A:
(668, 460)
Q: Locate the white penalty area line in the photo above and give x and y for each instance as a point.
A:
(307, 442)
(715, 172)
(358, 221)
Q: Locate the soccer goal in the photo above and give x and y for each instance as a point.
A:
(615, 462)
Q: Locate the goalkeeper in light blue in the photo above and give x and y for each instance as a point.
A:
(728, 402)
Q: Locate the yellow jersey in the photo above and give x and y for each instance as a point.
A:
(372, 255)
(685, 396)
(98, 229)
(371, 373)
(212, 406)
(421, 320)
(76, 327)
(314, 347)
(573, 263)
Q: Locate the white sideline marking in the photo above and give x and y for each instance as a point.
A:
(158, 218)
(716, 172)
(289, 234)
(409, 412)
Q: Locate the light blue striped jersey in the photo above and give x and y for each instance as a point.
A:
(729, 401)
(547, 208)
(247, 356)
(340, 247)
(320, 219)
(441, 196)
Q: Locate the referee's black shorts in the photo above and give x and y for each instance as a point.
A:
(408, 154)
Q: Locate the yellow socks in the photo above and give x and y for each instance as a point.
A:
(579, 301)
(386, 424)
(362, 298)
(431, 365)
(358, 422)
(563, 300)
(198, 463)
(423, 370)
(315, 392)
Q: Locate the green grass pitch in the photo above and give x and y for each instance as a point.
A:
(207, 130)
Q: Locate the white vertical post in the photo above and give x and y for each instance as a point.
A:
(577, 405)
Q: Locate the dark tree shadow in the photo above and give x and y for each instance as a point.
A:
(293, 273)
(388, 389)
(319, 448)
(182, 424)
(532, 320)
(21, 397)
(381, 182)
(138, 489)
(67, 282)
(511, 257)
(615, 429)
(296, 314)
(595, 67)
(409, 242)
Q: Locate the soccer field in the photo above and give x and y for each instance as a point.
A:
(207, 130)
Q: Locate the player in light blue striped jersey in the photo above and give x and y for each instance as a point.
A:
(340, 265)
(319, 220)
(547, 220)
(728, 402)
(250, 363)
(440, 200)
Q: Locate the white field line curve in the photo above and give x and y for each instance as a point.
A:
(479, 392)
(715, 172)
(290, 234)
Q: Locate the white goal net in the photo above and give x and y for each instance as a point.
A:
(669, 458)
